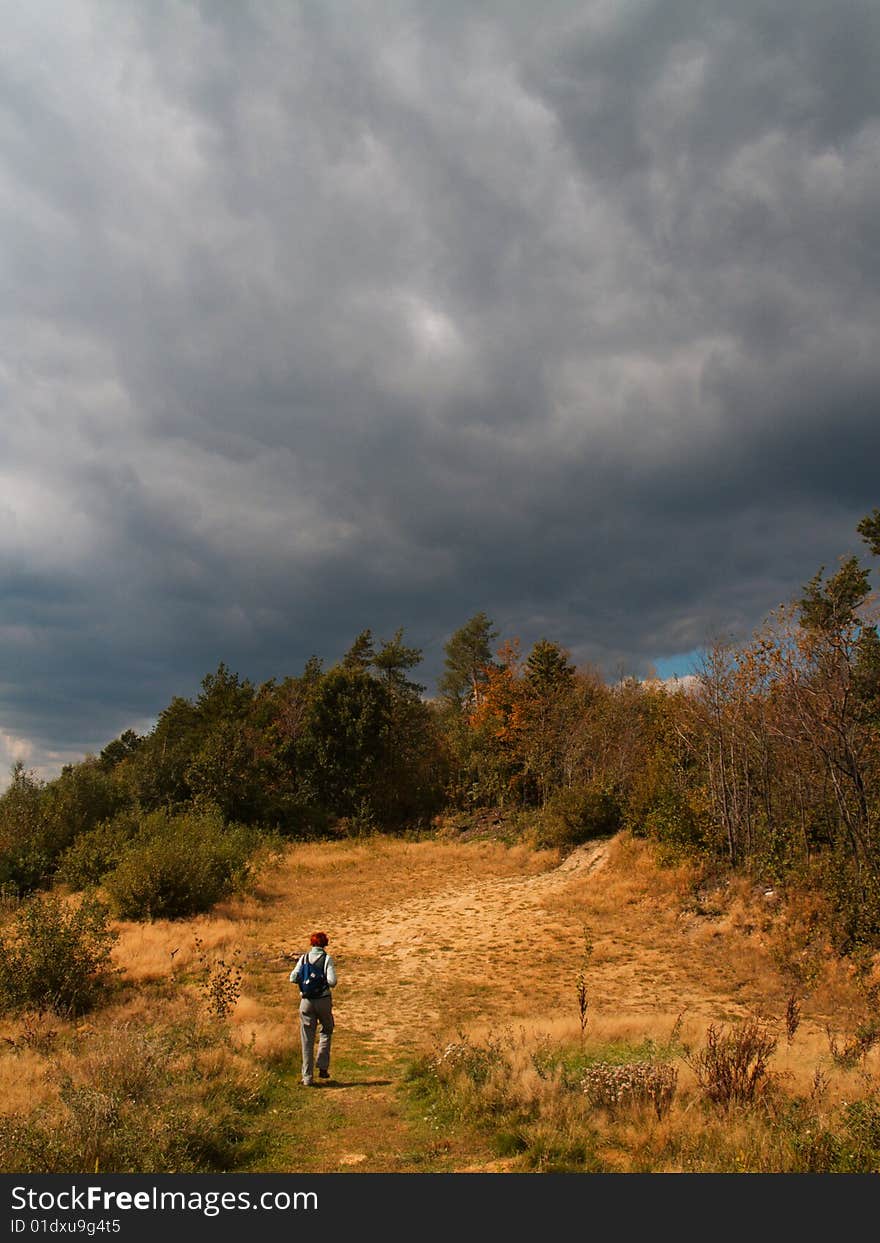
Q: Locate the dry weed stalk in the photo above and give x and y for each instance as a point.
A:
(732, 1068)
(34, 1036)
(820, 1085)
(581, 981)
(792, 1017)
(222, 988)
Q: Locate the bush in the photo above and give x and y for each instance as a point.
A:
(577, 815)
(848, 1144)
(97, 852)
(56, 957)
(24, 866)
(732, 1067)
(855, 893)
(474, 1062)
(612, 1086)
(673, 821)
(179, 866)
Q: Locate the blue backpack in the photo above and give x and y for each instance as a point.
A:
(313, 976)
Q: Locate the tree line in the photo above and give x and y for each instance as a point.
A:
(768, 762)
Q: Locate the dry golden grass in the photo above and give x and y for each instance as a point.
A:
(255, 1026)
(555, 1124)
(153, 951)
(486, 939)
(24, 1085)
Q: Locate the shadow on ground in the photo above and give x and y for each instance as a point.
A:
(354, 1083)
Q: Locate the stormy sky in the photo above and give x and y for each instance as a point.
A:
(322, 315)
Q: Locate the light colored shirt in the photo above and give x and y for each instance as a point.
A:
(329, 967)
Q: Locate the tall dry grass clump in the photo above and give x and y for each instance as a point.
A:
(154, 951)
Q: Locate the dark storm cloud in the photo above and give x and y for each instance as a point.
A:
(320, 317)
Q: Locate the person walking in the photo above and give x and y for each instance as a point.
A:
(315, 973)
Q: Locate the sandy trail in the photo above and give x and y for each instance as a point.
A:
(437, 939)
(463, 941)
(473, 942)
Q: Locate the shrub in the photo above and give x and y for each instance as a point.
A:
(672, 821)
(179, 866)
(856, 1046)
(855, 894)
(56, 957)
(92, 855)
(861, 1127)
(732, 1066)
(851, 1147)
(23, 866)
(577, 815)
(222, 988)
(613, 1085)
(474, 1062)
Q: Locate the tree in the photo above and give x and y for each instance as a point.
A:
(342, 744)
(548, 668)
(830, 608)
(83, 796)
(496, 721)
(24, 862)
(869, 529)
(225, 773)
(279, 721)
(224, 696)
(825, 691)
(120, 748)
(392, 662)
(549, 679)
(468, 659)
(361, 654)
(160, 764)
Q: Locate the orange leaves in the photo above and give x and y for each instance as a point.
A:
(499, 710)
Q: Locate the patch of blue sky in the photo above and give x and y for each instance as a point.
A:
(680, 665)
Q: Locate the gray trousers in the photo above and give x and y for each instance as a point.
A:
(311, 1014)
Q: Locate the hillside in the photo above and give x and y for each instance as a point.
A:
(442, 941)
(474, 948)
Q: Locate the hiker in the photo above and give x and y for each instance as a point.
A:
(315, 973)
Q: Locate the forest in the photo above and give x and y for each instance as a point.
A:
(766, 762)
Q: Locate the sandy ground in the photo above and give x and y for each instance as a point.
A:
(436, 940)
(467, 938)
(461, 954)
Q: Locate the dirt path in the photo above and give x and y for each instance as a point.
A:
(434, 939)
(502, 939)
(454, 954)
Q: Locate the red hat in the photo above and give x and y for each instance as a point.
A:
(319, 938)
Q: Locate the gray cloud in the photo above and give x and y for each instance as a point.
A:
(320, 316)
